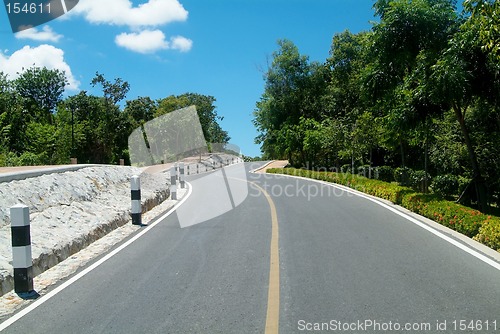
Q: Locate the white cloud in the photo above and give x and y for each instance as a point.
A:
(121, 12)
(42, 56)
(150, 41)
(147, 41)
(181, 43)
(46, 35)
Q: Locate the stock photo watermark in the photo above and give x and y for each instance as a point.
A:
(371, 325)
(299, 189)
(178, 136)
(25, 15)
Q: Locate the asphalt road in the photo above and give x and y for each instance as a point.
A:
(344, 263)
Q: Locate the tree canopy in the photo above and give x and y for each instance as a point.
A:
(418, 91)
(38, 125)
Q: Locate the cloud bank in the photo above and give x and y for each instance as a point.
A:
(141, 20)
(121, 12)
(42, 56)
(150, 41)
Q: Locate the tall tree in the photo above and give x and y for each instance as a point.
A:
(206, 110)
(42, 90)
(293, 89)
(466, 72)
(114, 123)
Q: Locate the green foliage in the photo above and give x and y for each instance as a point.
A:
(388, 191)
(207, 114)
(41, 90)
(420, 90)
(489, 233)
(293, 91)
(403, 175)
(455, 216)
(8, 159)
(113, 92)
(385, 173)
(32, 159)
(445, 185)
(251, 159)
(418, 180)
(347, 168)
(38, 126)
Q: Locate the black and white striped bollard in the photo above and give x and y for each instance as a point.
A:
(135, 186)
(173, 183)
(182, 179)
(21, 248)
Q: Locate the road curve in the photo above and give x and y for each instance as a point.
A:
(344, 263)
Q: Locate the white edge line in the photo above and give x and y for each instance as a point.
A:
(75, 278)
(452, 241)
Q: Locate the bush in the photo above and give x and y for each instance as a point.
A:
(10, 159)
(385, 173)
(455, 216)
(489, 233)
(445, 185)
(30, 159)
(402, 175)
(347, 168)
(417, 180)
(388, 191)
(366, 171)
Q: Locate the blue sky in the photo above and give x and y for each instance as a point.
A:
(164, 47)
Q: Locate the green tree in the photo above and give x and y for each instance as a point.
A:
(141, 110)
(464, 75)
(206, 110)
(294, 89)
(113, 122)
(41, 89)
(485, 15)
(94, 135)
(113, 92)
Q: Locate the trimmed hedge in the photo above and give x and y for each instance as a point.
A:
(472, 223)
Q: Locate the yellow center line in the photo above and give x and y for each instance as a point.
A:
(273, 295)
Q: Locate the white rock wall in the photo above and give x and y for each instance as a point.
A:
(70, 210)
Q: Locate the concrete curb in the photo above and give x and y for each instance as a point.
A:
(22, 175)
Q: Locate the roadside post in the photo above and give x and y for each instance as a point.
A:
(182, 175)
(173, 183)
(22, 260)
(135, 186)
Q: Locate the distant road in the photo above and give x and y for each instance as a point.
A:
(343, 263)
